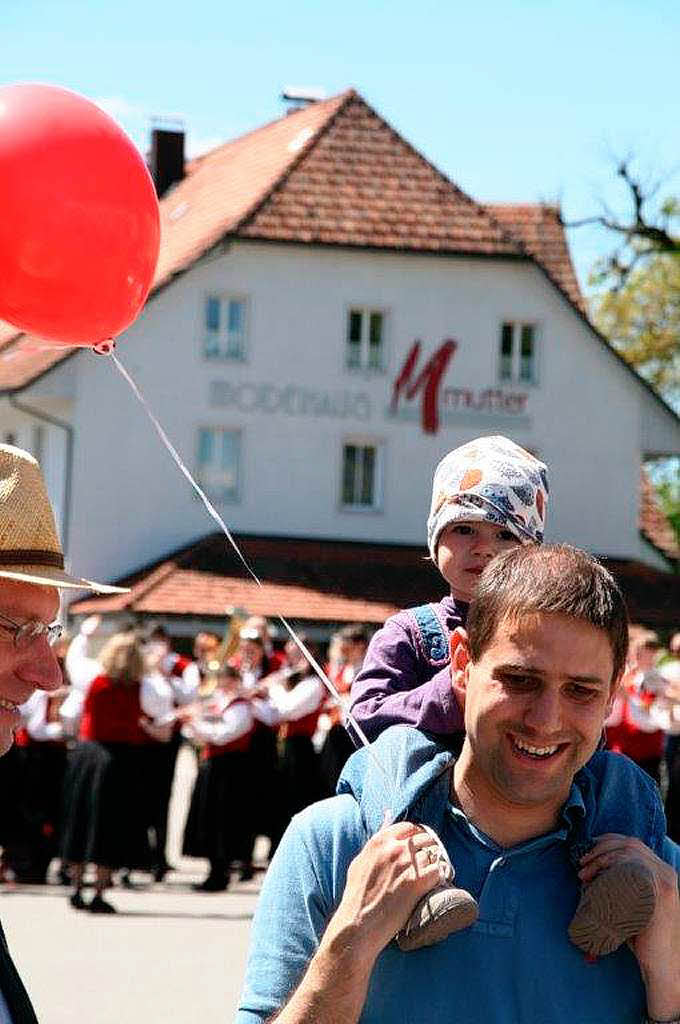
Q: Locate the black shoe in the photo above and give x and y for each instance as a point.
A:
(100, 906)
(246, 873)
(160, 871)
(211, 884)
(77, 901)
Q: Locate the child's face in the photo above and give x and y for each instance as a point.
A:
(465, 548)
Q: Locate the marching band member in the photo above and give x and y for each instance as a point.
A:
(630, 729)
(107, 809)
(219, 821)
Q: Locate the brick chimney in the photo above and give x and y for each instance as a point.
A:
(167, 158)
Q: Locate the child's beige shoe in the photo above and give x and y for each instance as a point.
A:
(441, 912)
(615, 906)
(444, 910)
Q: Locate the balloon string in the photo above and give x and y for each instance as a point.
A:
(225, 529)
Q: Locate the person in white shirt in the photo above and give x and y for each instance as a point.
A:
(669, 719)
(219, 824)
(295, 697)
(41, 750)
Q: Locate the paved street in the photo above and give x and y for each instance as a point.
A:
(170, 954)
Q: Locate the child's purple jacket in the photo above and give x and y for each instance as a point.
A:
(399, 683)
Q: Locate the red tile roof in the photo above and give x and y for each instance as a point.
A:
(303, 579)
(361, 184)
(224, 187)
(23, 358)
(540, 227)
(654, 525)
(329, 581)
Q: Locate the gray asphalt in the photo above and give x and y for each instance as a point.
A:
(169, 955)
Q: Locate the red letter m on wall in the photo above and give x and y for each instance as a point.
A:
(427, 381)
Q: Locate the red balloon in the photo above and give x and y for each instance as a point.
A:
(79, 222)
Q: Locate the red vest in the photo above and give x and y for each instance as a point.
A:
(239, 746)
(305, 726)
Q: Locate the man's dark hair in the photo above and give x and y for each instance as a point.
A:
(553, 579)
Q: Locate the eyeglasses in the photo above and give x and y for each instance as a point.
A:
(26, 633)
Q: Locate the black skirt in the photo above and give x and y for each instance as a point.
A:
(337, 747)
(104, 820)
(301, 779)
(219, 824)
(33, 839)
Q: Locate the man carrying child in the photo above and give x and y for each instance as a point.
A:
(526, 810)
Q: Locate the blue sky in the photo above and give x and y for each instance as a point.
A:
(519, 100)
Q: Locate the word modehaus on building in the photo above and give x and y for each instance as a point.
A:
(330, 316)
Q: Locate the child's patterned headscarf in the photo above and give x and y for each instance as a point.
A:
(489, 480)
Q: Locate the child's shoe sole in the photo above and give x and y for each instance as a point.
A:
(441, 912)
(615, 906)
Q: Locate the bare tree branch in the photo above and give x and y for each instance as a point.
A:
(642, 235)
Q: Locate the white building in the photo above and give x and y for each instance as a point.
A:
(330, 316)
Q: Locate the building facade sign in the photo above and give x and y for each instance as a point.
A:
(290, 399)
(417, 394)
(449, 404)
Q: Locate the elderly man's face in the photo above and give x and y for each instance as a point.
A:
(23, 670)
(535, 704)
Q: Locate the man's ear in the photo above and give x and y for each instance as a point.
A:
(614, 691)
(460, 659)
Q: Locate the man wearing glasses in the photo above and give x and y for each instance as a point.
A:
(31, 576)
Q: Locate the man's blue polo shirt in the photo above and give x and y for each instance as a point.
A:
(514, 966)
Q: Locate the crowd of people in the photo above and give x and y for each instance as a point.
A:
(89, 779)
(268, 738)
(645, 720)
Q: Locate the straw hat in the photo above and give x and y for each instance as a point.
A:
(29, 545)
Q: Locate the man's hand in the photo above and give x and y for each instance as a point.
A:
(657, 948)
(397, 866)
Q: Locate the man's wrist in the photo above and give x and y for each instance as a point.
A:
(347, 944)
(663, 993)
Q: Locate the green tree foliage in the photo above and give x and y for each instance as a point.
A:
(666, 479)
(669, 493)
(637, 304)
(641, 318)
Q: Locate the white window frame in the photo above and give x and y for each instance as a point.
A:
(364, 346)
(362, 441)
(220, 497)
(517, 327)
(221, 336)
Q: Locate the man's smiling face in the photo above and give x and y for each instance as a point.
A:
(535, 704)
(30, 668)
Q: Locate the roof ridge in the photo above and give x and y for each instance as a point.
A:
(479, 207)
(156, 576)
(526, 204)
(193, 164)
(343, 99)
(456, 189)
(476, 208)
